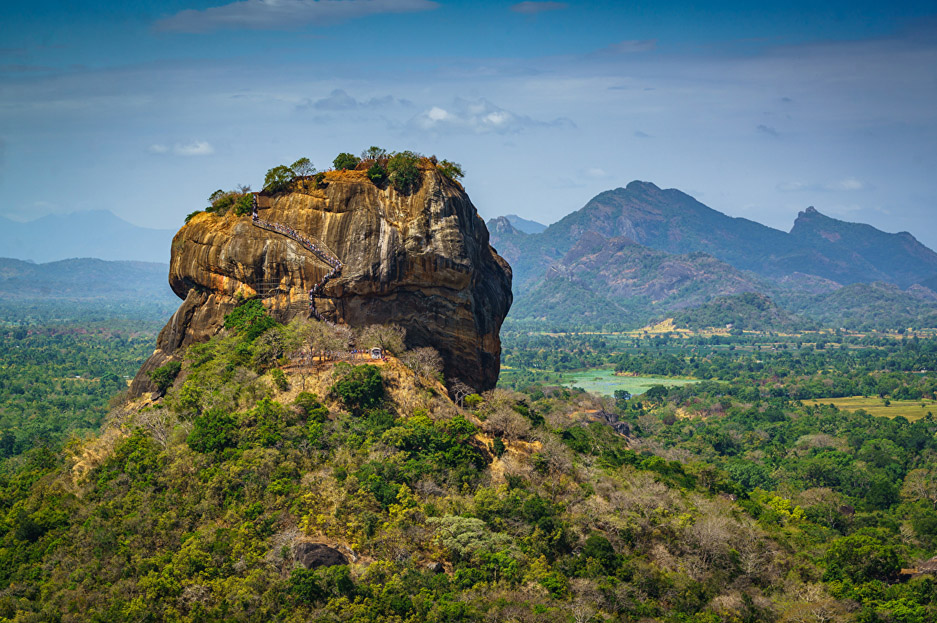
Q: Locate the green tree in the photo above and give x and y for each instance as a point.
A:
(374, 153)
(403, 171)
(303, 168)
(361, 389)
(213, 431)
(863, 557)
(278, 179)
(344, 161)
(452, 170)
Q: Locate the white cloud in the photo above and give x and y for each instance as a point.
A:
(285, 14)
(477, 117)
(532, 8)
(193, 148)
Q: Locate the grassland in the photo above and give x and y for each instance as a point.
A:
(910, 409)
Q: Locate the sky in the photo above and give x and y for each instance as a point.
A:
(757, 109)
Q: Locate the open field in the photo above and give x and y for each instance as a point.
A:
(911, 409)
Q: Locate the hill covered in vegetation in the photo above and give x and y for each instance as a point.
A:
(258, 489)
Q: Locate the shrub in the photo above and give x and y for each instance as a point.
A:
(191, 215)
(244, 205)
(213, 431)
(279, 379)
(403, 172)
(377, 173)
(452, 170)
(344, 161)
(361, 389)
(249, 319)
(309, 404)
(164, 375)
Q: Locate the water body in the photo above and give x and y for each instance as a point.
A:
(603, 381)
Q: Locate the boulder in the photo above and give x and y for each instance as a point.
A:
(420, 260)
(315, 555)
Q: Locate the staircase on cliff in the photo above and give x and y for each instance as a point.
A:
(317, 248)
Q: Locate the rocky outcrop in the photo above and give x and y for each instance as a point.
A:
(420, 260)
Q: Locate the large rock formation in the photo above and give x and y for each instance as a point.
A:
(420, 260)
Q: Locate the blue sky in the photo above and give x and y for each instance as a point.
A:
(757, 109)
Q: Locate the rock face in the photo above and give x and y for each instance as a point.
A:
(420, 260)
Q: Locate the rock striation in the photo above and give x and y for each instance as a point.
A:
(420, 260)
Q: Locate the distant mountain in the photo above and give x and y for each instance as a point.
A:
(522, 224)
(638, 252)
(900, 258)
(614, 280)
(95, 233)
(85, 279)
(672, 221)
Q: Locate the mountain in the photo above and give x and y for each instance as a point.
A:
(524, 225)
(615, 280)
(84, 279)
(95, 233)
(633, 253)
(672, 221)
(900, 258)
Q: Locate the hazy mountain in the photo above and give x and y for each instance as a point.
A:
(524, 225)
(85, 279)
(95, 233)
(634, 253)
(672, 221)
(899, 258)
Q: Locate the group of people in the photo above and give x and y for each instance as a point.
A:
(320, 253)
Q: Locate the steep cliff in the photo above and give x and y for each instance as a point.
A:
(420, 260)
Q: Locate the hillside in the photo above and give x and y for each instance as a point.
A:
(94, 233)
(613, 280)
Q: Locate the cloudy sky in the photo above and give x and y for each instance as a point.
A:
(758, 109)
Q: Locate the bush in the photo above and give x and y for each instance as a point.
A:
(403, 172)
(249, 319)
(377, 173)
(309, 404)
(344, 161)
(278, 179)
(452, 170)
(191, 215)
(244, 205)
(361, 389)
(279, 379)
(164, 375)
(213, 431)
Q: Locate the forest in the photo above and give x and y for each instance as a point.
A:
(730, 499)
